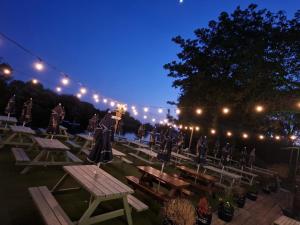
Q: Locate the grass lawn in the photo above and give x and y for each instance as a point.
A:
(17, 208)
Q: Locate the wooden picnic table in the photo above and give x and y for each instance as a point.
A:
(102, 187)
(49, 149)
(176, 185)
(180, 157)
(5, 120)
(201, 176)
(85, 141)
(235, 179)
(18, 136)
(149, 153)
(261, 171)
(284, 220)
(63, 133)
(139, 144)
(247, 175)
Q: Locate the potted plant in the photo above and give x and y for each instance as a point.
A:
(252, 193)
(179, 212)
(203, 211)
(225, 210)
(239, 197)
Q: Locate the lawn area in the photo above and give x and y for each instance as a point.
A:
(17, 208)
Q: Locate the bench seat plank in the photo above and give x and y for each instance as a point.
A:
(20, 155)
(49, 208)
(73, 158)
(136, 203)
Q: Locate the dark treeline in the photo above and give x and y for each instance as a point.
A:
(44, 100)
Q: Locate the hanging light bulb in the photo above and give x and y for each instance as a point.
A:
(229, 134)
(261, 137)
(245, 136)
(104, 100)
(160, 110)
(277, 137)
(161, 122)
(6, 71)
(58, 89)
(83, 90)
(135, 113)
(180, 126)
(35, 81)
(39, 65)
(178, 111)
(95, 96)
(79, 95)
(112, 103)
(212, 131)
(293, 137)
(191, 128)
(225, 110)
(259, 108)
(65, 81)
(146, 109)
(199, 111)
(197, 128)
(145, 117)
(153, 120)
(185, 128)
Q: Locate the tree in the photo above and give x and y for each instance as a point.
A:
(245, 58)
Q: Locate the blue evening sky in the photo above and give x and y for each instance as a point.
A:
(117, 47)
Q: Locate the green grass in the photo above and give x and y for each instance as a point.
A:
(17, 207)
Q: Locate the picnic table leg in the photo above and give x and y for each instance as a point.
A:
(127, 210)
(8, 139)
(36, 159)
(85, 217)
(59, 183)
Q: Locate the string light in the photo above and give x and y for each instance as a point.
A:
(197, 128)
(39, 66)
(277, 137)
(6, 71)
(229, 134)
(58, 89)
(259, 108)
(225, 110)
(212, 131)
(96, 100)
(199, 111)
(185, 128)
(261, 137)
(145, 117)
(104, 100)
(95, 96)
(79, 95)
(135, 113)
(153, 120)
(191, 128)
(65, 81)
(160, 110)
(245, 135)
(180, 126)
(161, 122)
(35, 81)
(83, 90)
(293, 137)
(112, 103)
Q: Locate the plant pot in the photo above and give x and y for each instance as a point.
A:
(252, 196)
(240, 201)
(266, 190)
(203, 219)
(225, 211)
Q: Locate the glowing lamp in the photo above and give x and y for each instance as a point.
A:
(277, 137)
(225, 110)
(39, 66)
(35, 81)
(229, 134)
(58, 89)
(293, 137)
(104, 100)
(197, 128)
(146, 109)
(65, 81)
(153, 120)
(79, 95)
(178, 111)
(6, 71)
(212, 131)
(160, 110)
(199, 111)
(112, 103)
(83, 90)
(261, 137)
(259, 108)
(245, 135)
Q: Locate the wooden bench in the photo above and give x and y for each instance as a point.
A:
(284, 220)
(50, 210)
(136, 204)
(73, 144)
(126, 160)
(135, 183)
(20, 156)
(73, 158)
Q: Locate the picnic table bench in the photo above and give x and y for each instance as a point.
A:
(149, 153)
(48, 150)
(62, 135)
(180, 157)
(235, 179)
(284, 220)
(102, 187)
(138, 144)
(176, 186)
(18, 136)
(84, 140)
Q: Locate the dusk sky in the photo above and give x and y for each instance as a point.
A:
(117, 47)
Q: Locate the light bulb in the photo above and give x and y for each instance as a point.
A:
(39, 66)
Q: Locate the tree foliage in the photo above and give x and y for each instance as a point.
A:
(245, 58)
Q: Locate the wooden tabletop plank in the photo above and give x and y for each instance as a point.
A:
(22, 129)
(8, 119)
(147, 152)
(105, 183)
(240, 171)
(115, 180)
(180, 156)
(51, 144)
(198, 175)
(84, 180)
(173, 181)
(118, 153)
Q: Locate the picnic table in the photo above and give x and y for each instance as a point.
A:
(5, 120)
(180, 157)
(138, 144)
(261, 171)
(102, 187)
(63, 133)
(18, 136)
(175, 185)
(284, 220)
(51, 152)
(235, 179)
(246, 175)
(84, 140)
(197, 175)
